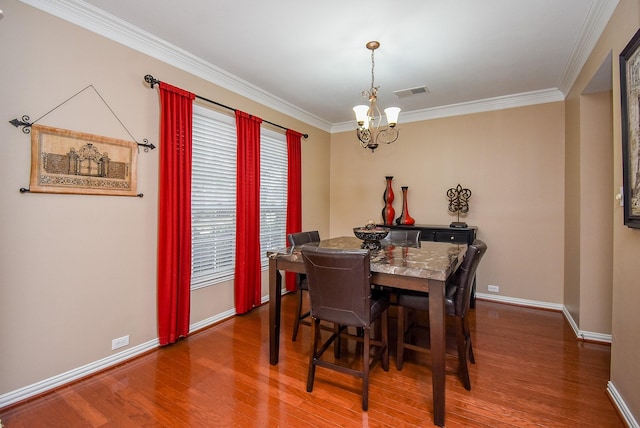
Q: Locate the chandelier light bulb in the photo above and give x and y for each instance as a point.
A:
(392, 115)
(361, 114)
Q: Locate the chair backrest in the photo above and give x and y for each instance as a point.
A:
(303, 237)
(463, 276)
(403, 237)
(339, 285)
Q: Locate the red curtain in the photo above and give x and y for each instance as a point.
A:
(174, 218)
(294, 193)
(247, 275)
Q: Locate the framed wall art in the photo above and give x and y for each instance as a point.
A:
(630, 114)
(64, 161)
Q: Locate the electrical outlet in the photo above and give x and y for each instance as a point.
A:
(120, 342)
(493, 288)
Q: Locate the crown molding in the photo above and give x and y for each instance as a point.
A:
(595, 23)
(96, 20)
(477, 106)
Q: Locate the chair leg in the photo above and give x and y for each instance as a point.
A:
(315, 337)
(472, 358)
(463, 351)
(385, 340)
(296, 323)
(365, 368)
(467, 334)
(400, 347)
(337, 343)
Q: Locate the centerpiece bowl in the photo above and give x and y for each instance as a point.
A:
(371, 236)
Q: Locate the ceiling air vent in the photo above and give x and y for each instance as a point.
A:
(412, 91)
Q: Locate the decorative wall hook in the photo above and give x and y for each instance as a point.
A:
(26, 125)
(146, 144)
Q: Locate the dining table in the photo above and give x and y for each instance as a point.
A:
(423, 267)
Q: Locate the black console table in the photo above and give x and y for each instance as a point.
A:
(439, 233)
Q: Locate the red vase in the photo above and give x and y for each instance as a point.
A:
(388, 212)
(405, 218)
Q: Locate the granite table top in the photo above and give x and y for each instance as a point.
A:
(430, 260)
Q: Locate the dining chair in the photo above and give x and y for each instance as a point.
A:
(402, 237)
(296, 239)
(457, 301)
(341, 294)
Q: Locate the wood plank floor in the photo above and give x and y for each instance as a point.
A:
(530, 372)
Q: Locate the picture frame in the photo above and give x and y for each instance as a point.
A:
(65, 161)
(630, 116)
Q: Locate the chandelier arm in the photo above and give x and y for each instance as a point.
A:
(387, 135)
(376, 116)
(364, 135)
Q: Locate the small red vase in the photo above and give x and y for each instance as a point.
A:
(405, 218)
(388, 212)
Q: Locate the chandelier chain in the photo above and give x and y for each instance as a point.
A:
(373, 65)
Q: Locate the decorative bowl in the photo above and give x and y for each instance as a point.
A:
(371, 236)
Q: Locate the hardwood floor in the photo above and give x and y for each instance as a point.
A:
(530, 372)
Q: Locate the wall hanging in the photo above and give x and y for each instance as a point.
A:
(66, 161)
(630, 99)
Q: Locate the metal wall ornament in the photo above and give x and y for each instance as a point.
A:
(458, 203)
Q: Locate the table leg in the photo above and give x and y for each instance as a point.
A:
(438, 347)
(275, 301)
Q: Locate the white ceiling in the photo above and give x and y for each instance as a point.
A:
(308, 59)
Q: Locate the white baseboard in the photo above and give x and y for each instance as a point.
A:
(88, 369)
(104, 363)
(621, 406)
(75, 374)
(211, 320)
(580, 334)
(583, 334)
(520, 302)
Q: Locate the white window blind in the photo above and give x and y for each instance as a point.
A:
(273, 192)
(213, 197)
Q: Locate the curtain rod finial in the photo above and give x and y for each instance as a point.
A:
(151, 80)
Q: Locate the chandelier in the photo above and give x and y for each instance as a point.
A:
(369, 118)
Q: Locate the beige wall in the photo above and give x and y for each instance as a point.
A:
(572, 210)
(596, 204)
(77, 271)
(513, 162)
(588, 222)
(625, 348)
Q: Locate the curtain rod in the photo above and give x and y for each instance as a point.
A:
(153, 81)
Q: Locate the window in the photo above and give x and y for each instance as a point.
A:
(273, 192)
(213, 196)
